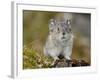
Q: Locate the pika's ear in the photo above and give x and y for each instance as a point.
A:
(52, 21)
(52, 24)
(68, 22)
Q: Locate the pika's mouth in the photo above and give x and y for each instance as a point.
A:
(63, 37)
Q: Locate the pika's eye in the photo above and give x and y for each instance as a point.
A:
(66, 29)
(58, 29)
(70, 30)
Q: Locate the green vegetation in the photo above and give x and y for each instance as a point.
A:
(33, 59)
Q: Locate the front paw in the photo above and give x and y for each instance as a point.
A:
(55, 62)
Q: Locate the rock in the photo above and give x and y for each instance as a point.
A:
(70, 63)
(61, 64)
(79, 63)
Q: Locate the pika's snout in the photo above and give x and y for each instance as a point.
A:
(63, 33)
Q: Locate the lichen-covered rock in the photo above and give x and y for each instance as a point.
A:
(61, 63)
(70, 63)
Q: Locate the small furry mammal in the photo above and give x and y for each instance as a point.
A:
(59, 40)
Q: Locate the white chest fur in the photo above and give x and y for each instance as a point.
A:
(55, 47)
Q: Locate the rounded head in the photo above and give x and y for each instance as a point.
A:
(60, 30)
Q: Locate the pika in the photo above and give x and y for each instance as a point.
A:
(59, 40)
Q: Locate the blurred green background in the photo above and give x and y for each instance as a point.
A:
(35, 32)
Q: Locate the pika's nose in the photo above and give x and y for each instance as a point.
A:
(63, 33)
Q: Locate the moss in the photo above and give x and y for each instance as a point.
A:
(33, 59)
